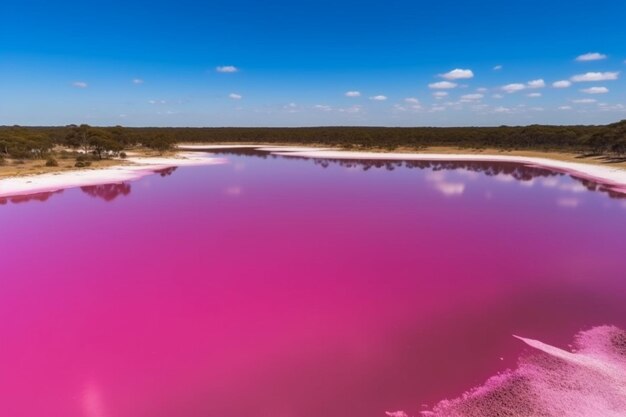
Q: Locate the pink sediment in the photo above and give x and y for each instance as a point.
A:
(589, 381)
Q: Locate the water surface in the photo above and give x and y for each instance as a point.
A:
(288, 287)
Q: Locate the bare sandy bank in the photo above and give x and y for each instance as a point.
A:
(129, 169)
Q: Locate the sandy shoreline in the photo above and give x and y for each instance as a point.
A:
(136, 167)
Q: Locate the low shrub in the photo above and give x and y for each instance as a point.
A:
(51, 162)
(66, 155)
(123, 155)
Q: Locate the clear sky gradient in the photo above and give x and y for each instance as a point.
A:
(308, 63)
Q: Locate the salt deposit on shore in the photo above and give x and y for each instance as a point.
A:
(589, 381)
(79, 178)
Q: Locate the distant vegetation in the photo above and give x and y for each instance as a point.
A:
(19, 143)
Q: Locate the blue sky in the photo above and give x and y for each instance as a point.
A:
(156, 63)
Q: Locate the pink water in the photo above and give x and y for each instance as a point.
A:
(284, 287)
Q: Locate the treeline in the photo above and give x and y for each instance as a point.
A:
(91, 143)
(35, 142)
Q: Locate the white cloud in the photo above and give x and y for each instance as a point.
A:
(584, 101)
(568, 202)
(442, 85)
(534, 95)
(235, 96)
(595, 76)
(513, 88)
(591, 56)
(352, 109)
(137, 81)
(353, 94)
(502, 109)
(379, 97)
(79, 84)
(445, 187)
(227, 68)
(574, 187)
(92, 402)
(561, 84)
(609, 107)
(322, 107)
(450, 189)
(497, 96)
(440, 94)
(477, 107)
(595, 90)
(536, 83)
(497, 68)
(157, 101)
(233, 190)
(565, 108)
(481, 90)
(472, 97)
(411, 100)
(458, 74)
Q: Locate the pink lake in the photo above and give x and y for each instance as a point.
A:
(290, 287)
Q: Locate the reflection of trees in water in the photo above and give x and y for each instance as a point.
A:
(246, 152)
(29, 197)
(518, 171)
(166, 172)
(515, 170)
(619, 193)
(107, 192)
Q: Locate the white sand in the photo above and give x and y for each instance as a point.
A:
(68, 179)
